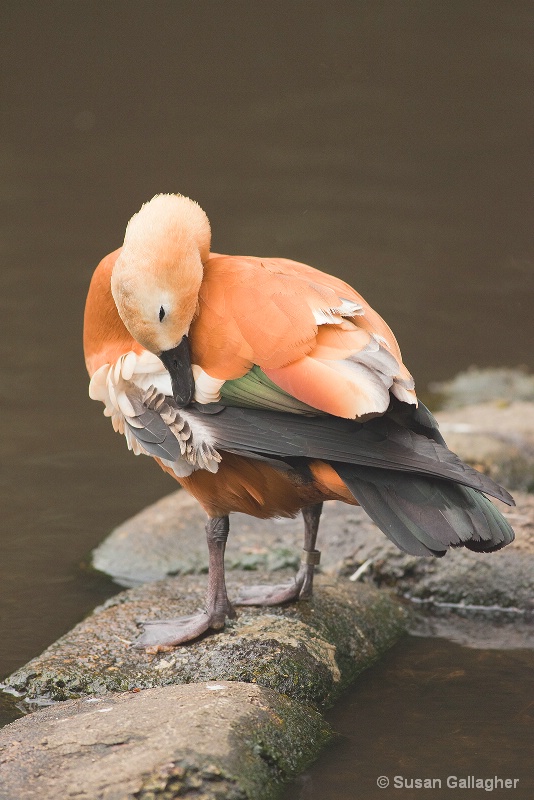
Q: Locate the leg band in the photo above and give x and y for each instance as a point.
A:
(312, 557)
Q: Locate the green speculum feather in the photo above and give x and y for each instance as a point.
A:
(256, 390)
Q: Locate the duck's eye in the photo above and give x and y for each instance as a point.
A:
(161, 314)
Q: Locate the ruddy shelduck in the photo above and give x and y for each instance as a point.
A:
(265, 386)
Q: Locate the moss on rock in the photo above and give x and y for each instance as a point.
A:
(309, 650)
(209, 741)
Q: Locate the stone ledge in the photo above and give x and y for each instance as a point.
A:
(309, 651)
(495, 437)
(211, 741)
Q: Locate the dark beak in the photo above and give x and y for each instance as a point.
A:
(177, 361)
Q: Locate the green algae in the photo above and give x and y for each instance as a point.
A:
(268, 750)
(310, 650)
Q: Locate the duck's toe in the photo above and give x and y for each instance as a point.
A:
(268, 595)
(162, 635)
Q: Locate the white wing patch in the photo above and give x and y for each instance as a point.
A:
(333, 316)
(138, 386)
(207, 389)
(378, 359)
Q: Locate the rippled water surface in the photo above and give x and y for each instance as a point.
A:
(390, 143)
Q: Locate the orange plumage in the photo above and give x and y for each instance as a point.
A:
(219, 346)
(167, 322)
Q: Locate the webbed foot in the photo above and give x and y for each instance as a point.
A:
(268, 595)
(162, 635)
(274, 595)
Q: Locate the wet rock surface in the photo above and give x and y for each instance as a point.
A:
(211, 740)
(309, 650)
(233, 715)
(475, 630)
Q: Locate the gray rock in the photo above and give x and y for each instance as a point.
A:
(497, 586)
(309, 651)
(476, 630)
(497, 439)
(477, 385)
(211, 741)
(348, 540)
(168, 538)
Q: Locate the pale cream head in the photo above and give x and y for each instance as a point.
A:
(156, 279)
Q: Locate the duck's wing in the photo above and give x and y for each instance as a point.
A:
(381, 444)
(277, 334)
(136, 392)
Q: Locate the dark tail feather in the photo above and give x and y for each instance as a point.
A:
(425, 516)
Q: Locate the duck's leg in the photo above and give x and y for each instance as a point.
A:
(302, 585)
(165, 634)
(310, 556)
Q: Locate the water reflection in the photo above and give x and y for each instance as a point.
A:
(9, 711)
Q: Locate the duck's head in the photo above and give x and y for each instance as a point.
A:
(156, 280)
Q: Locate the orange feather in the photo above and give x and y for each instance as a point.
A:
(105, 337)
(261, 311)
(258, 311)
(253, 487)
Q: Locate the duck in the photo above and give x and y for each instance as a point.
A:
(267, 387)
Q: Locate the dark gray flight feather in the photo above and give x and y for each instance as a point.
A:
(425, 516)
(419, 493)
(166, 446)
(412, 444)
(381, 442)
(152, 432)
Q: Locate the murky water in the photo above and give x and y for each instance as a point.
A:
(390, 143)
(431, 710)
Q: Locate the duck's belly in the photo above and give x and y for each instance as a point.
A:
(256, 488)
